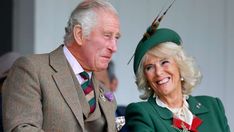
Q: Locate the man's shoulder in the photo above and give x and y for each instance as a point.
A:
(39, 58)
(33, 59)
(36, 57)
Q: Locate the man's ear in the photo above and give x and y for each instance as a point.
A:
(78, 36)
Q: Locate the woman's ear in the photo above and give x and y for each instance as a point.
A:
(77, 33)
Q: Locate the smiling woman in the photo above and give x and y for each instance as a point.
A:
(167, 76)
(168, 55)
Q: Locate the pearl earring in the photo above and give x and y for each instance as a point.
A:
(181, 79)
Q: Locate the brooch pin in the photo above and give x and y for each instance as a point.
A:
(102, 97)
(107, 96)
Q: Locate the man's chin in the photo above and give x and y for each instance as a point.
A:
(101, 68)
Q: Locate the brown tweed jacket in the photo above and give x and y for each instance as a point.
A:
(40, 95)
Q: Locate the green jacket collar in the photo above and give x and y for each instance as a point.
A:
(194, 105)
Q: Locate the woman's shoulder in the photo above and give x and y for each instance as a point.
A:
(205, 98)
(139, 106)
(209, 101)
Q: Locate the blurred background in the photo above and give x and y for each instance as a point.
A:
(206, 28)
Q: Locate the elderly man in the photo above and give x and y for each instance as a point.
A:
(56, 92)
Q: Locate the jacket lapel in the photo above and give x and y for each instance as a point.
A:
(64, 81)
(108, 107)
(196, 107)
(164, 113)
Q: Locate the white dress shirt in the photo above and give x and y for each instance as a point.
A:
(75, 65)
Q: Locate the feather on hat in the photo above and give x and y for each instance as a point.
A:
(154, 37)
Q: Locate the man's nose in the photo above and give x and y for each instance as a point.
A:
(113, 45)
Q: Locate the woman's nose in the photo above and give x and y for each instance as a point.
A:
(158, 70)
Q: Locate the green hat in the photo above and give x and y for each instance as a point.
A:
(159, 36)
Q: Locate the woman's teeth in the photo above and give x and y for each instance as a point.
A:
(165, 80)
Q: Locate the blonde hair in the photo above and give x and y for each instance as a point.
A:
(187, 67)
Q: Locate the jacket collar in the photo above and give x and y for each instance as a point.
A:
(108, 107)
(163, 112)
(194, 106)
(63, 79)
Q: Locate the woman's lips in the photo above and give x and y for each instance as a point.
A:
(163, 81)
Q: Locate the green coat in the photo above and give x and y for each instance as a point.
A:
(149, 117)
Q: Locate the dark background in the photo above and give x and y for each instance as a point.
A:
(6, 13)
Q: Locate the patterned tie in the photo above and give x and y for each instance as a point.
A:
(87, 87)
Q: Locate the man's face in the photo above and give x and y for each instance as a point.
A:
(101, 43)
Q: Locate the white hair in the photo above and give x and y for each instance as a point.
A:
(85, 15)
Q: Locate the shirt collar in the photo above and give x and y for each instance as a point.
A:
(75, 65)
(188, 116)
(160, 103)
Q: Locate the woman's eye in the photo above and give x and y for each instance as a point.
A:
(148, 67)
(165, 62)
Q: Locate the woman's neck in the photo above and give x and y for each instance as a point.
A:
(173, 101)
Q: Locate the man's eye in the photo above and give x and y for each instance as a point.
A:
(107, 35)
(117, 37)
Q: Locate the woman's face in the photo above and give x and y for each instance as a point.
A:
(162, 75)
